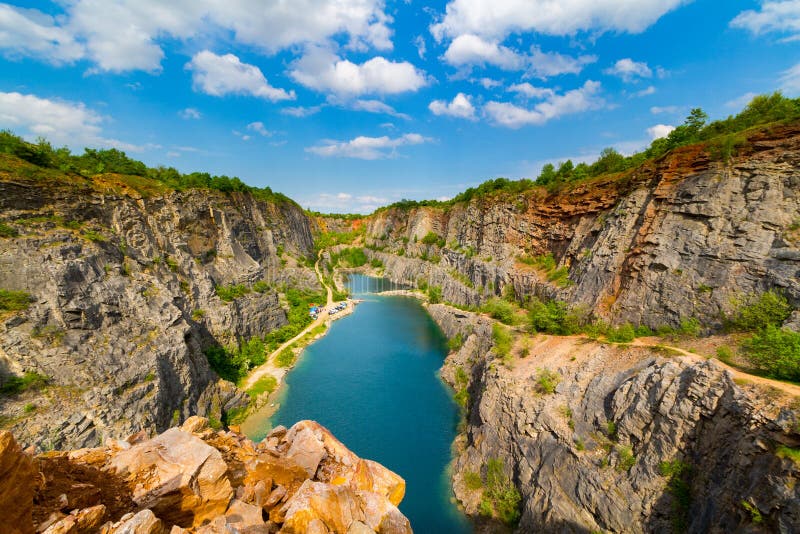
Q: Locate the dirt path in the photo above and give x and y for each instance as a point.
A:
(790, 389)
(269, 367)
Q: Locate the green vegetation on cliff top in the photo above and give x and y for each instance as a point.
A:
(722, 138)
(61, 164)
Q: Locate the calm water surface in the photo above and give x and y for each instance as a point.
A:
(373, 382)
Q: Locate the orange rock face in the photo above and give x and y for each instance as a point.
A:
(17, 479)
(195, 479)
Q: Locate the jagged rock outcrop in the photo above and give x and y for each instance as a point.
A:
(196, 479)
(673, 239)
(124, 301)
(591, 455)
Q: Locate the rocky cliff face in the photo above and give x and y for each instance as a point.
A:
(673, 239)
(630, 440)
(195, 479)
(123, 290)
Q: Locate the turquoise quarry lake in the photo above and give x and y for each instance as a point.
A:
(373, 382)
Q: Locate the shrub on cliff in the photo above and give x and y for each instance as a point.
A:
(499, 309)
(434, 294)
(775, 352)
(500, 497)
(754, 312)
(555, 317)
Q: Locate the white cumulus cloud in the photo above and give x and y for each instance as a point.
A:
(369, 148)
(629, 70)
(775, 16)
(60, 121)
(473, 50)
(529, 91)
(460, 107)
(659, 130)
(223, 75)
(498, 19)
(122, 35)
(28, 32)
(556, 105)
(322, 70)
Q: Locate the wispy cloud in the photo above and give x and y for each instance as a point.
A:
(368, 148)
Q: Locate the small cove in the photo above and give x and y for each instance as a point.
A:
(373, 381)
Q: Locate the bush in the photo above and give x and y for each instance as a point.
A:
(775, 352)
(231, 292)
(434, 294)
(502, 496)
(350, 257)
(14, 300)
(261, 286)
(499, 309)
(455, 342)
(554, 317)
(754, 312)
(432, 238)
(621, 334)
(285, 358)
(546, 381)
(198, 314)
(626, 458)
(18, 384)
(502, 340)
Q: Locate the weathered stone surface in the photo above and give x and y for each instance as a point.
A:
(662, 410)
(143, 522)
(16, 486)
(181, 478)
(79, 521)
(675, 239)
(195, 479)
(119, 324)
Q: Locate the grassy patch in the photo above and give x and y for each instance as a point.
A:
(19, 384)
(265, 384)
(14, 300)
(547, 381)
(502, 340)
(7, 231)
(473, 480)
(788, 452)
(456, 342)
(626, 458)
(501, 499)
(231, 292)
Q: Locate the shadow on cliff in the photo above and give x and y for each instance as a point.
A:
(65, 485)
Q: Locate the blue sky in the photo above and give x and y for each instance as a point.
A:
(348, 105)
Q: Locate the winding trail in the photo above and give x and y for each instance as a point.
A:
(790, 389)
(269, 367)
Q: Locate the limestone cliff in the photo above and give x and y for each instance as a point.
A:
(672, 239)
(122, 282)
(194, 479)
(630, 440)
